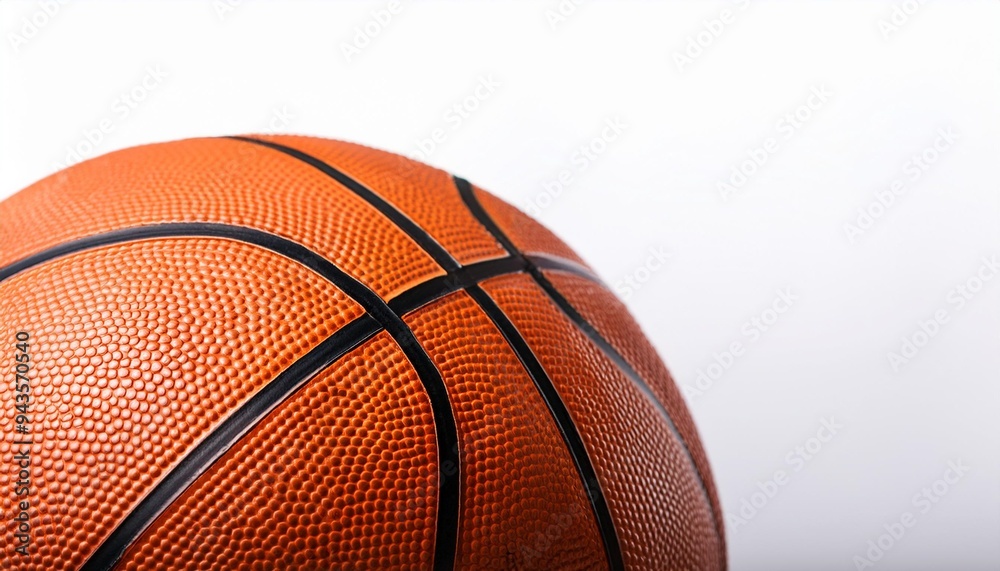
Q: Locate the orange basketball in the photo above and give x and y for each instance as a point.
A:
(279, 352)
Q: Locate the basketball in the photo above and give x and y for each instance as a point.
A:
(284, 352)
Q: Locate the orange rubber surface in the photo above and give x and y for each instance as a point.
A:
(138, 351)
(612, 320)
(524, 506)
(406, 183)
(340, 477)
(142, 350)
(662, 516)
(220, 181)
(528, 235)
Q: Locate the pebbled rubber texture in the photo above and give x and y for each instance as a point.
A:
(611, 319)
(342, 476)
(406, 184)
(138, 351)
(204, 396)
(527, 235)
(524, 506)
(215, 180)
(663, 519)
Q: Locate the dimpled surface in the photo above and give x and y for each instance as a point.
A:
(660, 511)
(342, 476)
(221, 181)
(524, 505)
(138, 351)
(526, 234)
(612, 320)
(406, 184)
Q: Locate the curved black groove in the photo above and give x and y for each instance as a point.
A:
(242, 420)
(561, 265)
(561, 415)
(133, 234)
(472, 202)
(418, 234)
(220, 440)
(484, 218)
(447, 433)
(436, 288)
(380, 315)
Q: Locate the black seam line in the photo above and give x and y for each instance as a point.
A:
(226, 435)
(612, 354)
(555, 263)
(410, 300)
(564, 421)
(438, 287)
(407, 300)
(484, 218)
(472, 202)
(424, 240)
(445, 426)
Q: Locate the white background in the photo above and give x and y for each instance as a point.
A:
(896, 74)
